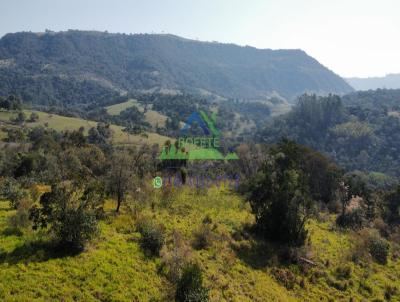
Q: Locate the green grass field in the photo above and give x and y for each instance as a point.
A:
(154, 118)
(62, 123)
(118, 108)
(114, 268)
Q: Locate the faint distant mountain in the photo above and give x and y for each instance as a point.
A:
(390, 81)
(57, 67)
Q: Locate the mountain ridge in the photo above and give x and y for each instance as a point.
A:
(389, 81)
(148, 61)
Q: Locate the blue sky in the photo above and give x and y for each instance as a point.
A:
(351, 37)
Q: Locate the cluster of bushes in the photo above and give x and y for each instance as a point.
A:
(182, 272)
(176, 263)
(369, 245)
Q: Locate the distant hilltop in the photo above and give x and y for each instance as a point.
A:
(38, 66)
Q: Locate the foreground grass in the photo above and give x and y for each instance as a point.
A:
(236, 267)
(111, 269)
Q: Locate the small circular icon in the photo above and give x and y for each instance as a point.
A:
(157, 182)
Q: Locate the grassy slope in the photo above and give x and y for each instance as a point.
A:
(60, 123)
(113, 268)
(154, 118)
(118, 108)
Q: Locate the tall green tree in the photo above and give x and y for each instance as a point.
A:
(279, 196)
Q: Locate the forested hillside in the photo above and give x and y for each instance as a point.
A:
(360, 131)
(78, 67)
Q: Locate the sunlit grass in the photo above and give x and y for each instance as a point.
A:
(114, 268)
(63, 123)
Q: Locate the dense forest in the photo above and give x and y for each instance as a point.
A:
(359, 131)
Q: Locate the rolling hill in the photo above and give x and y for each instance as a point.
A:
(83, 67)
(63, 123)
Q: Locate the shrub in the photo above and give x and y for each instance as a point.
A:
(352, 220)
(70, 213)
(334, 206)
(175, 259)
(390, 291)
(342, 286)
(190, 286)
(21, 217)
(207, 219)
(153, 237)
(33, 117)
(285, 277)
(203, 237)
(11, 190)
(167, 196)
(369, 245)
(365, 286)
(343, 272)
(382, 227)
(379, 249)
(76, 228)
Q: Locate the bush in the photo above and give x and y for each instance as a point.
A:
(352, 220)
(343, 272)
(369, 245)
(21, 217)
(76, 228)
(390, 291)
(379, 249)
(190, 286)
(11, 190)
(167, 196)
(203, 237)
(33, 117)
(285, 277)
(382, 227)
(153, 237)
(175, 259)
(70, 213)
(339, 285)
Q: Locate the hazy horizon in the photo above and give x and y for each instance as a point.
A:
(352, 38)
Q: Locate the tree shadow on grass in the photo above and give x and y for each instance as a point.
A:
(38, 251)
(257, 252)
